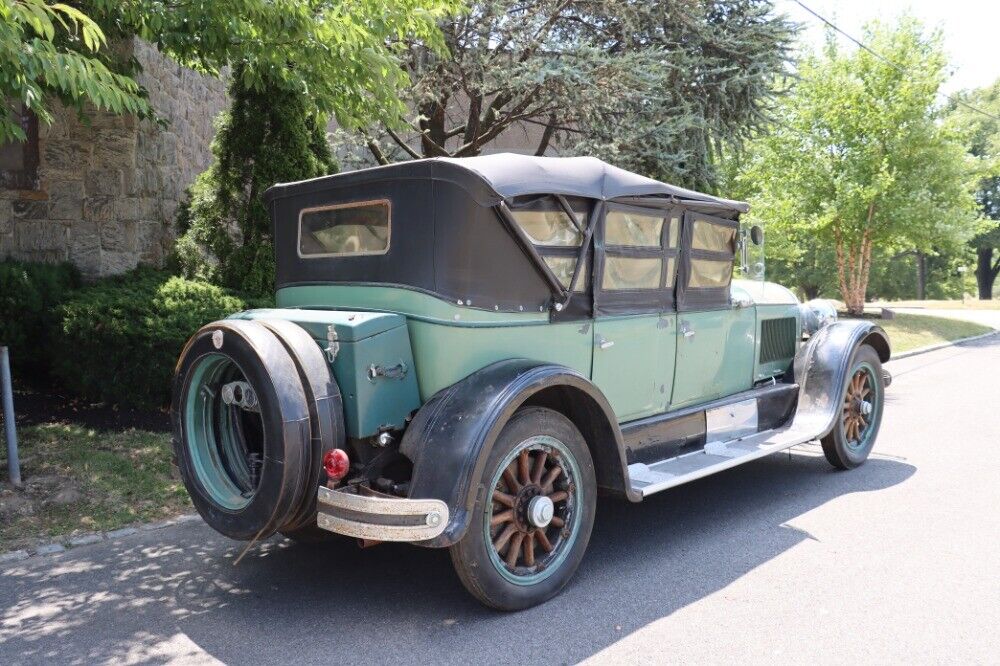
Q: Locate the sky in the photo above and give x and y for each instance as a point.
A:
(970, 30)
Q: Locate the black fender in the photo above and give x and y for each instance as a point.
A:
(452, 435)
(821, 368)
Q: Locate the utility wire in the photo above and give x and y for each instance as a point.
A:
(889, 62)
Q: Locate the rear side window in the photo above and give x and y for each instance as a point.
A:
(547, 224)
(360, 228)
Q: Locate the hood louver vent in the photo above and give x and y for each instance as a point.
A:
(777, 339)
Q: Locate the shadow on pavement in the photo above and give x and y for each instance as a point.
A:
(176, 594)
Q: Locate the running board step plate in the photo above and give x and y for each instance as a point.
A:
(715, 457)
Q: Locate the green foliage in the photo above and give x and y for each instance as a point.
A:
(344, 57)
(29, 295)
(657, 87)
(51, 50)
(858, 159)
(266, 137)
(123, 335)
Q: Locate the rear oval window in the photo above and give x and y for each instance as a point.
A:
(345, 229)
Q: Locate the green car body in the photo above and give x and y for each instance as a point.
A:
(573, 321)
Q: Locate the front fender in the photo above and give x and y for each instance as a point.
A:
(452, 435)
(821, 368)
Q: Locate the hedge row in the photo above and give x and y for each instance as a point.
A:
(30, 294)
(117, 340)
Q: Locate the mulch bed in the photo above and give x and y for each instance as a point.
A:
(48, 404)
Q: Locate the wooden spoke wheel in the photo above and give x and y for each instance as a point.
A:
(533, 505)
(533, 512)
(858, 408)
(850, 441)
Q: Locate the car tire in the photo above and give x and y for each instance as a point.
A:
(851, 440)
(212, 439)
(520, 549)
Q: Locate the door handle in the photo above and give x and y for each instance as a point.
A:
(604, 343)
(687, 330)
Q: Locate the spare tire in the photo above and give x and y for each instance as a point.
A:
(245, 460)
(326, 412)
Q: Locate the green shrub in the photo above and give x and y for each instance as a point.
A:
(121, 337)
(29, 296)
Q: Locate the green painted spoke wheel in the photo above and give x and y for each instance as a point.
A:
(853, 435)
(534, 513)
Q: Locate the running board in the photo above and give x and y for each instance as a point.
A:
(715, 457)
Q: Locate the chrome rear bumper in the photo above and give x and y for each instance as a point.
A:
(380, 517)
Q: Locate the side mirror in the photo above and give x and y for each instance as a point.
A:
(756, 235)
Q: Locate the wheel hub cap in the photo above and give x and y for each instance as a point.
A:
(540, 511)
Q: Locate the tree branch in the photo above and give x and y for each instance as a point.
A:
(550, 129)
(402, 144)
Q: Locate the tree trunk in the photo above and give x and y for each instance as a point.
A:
(853, 266)
(986, 272)
(921, 276)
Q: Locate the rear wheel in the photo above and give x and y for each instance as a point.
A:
(852, 438)
(531, 525)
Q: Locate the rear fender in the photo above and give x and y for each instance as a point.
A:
(452, 435)
(821, 368)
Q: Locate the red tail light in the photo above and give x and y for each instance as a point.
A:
(336, 463)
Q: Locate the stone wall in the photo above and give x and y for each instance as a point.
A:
(109, 186)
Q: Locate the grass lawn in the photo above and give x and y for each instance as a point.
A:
(969, 304)
(908, 331)
(81, 480)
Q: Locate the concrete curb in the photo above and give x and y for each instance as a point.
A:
(942, 345)
(49, 547)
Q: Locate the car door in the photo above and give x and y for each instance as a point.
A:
(634, 322)
(715, 336)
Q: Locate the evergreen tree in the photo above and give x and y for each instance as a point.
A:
(270, 134)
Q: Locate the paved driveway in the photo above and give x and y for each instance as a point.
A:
(782, 560)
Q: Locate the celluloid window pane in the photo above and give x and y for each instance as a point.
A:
(563, 267)
(713, 237)
(671, 271)
(675, 230)
(631, 273)
(634, 229)
(345, 230)
(709, 273)
(546, 223)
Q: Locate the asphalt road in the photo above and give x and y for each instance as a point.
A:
(781, 560)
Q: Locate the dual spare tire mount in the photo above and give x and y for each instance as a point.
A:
(255, 408)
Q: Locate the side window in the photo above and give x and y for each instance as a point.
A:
(712, 251)
(556, 234)
(640, 249)
(351, 229)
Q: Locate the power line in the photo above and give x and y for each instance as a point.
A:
(889, 62)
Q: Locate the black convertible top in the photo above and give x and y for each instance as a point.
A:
(452, 233)
(493, 178)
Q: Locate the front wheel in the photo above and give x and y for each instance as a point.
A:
(853, 436)
(531, 525)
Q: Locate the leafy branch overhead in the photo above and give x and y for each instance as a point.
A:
(51, 50)
(344, 57)
(656, 87)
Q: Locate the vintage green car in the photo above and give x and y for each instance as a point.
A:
(466, 352)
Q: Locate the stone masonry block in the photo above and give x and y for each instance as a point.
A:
(34, 236)
(118, 236)
(66, 199)
(104, 182)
